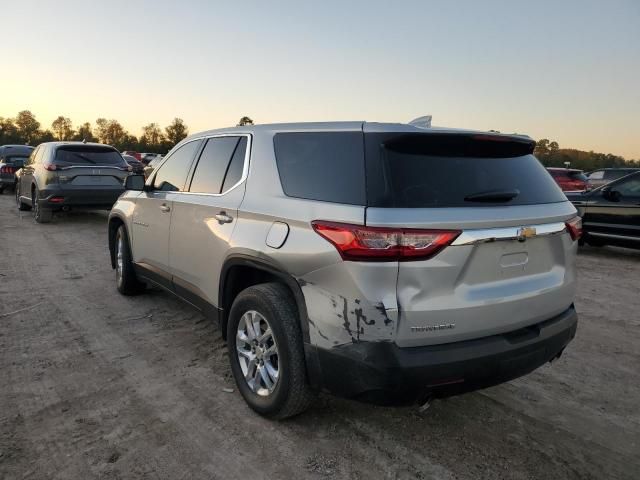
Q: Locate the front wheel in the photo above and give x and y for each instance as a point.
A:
(266, 351)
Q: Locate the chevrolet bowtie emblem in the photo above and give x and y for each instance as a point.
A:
(526, 232)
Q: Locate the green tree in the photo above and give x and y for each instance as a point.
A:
(62, 128)
(111, 132)
(176, 131)
(245, 121)
(542, 148)
(152, 138)
(43, 136)
(85, 133)
(27, 125)
(9, 132)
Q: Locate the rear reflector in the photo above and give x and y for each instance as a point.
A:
(574, 227)
(56, 200)
(379, 244)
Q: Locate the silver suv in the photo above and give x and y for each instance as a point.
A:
(383, 262)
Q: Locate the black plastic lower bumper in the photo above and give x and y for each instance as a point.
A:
(57, 199)
(383, 373)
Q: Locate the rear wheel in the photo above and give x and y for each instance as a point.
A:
(42, 215)
(1, 189)
(126, 280)
(21, 206)
(266, 351)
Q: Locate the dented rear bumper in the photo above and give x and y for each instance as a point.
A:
(383, 373)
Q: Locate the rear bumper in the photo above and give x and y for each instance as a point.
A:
(383, 373)
(7, 181)
(96, 197)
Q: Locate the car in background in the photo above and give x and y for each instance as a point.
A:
(63, 175)
(137, 167)
(152, 165)
(611, 213)
(146, 158)
(569, 179)
(132, 153)
(602, 176)
(12, 158)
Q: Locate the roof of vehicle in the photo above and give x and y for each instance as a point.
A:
(15, 147)
(348, 126)
(76, 144)
(631, 169)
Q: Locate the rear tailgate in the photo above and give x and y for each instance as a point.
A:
(89, 166)
(512, 264)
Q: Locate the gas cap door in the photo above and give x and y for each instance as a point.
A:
(277, 235)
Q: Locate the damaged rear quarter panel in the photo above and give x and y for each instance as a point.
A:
(350, 302)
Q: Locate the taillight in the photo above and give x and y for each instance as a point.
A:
(56, 199)
(50, 167)
(357, 242)
(7, 169)
(574, 227)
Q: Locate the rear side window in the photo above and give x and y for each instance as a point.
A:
(327, 166)
(172, 175)
(235, 168)
(214, 163)
(87, 156)
(447, 170)
(578, 176)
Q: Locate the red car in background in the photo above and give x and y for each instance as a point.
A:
(133, 154)
(569, 179)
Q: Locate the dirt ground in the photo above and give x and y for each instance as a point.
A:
(96, 385)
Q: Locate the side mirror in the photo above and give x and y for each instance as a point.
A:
(134, 182)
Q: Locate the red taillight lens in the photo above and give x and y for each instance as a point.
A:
(357, 242)
(50, 166)
(7, 169)
(574, 227)
(56, 199)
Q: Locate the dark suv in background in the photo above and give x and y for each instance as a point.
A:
(602, 176)
(64, 175)
(12, 158)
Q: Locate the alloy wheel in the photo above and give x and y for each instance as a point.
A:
(257, 353)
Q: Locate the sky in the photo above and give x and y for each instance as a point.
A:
(564, 70)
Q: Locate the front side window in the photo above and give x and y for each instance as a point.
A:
(172, 175)
(214, 164)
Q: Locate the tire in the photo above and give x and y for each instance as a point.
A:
(1, 189)
(42, 215)
(126, 281)
(290, 393)
(21, 206)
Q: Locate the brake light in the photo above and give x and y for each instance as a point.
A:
(574, 227)
(357, 242)
(7, 169)
(56, 199)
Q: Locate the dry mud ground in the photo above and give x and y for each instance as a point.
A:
(96, 385)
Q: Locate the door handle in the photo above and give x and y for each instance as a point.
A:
(222, 217)
(165, 208)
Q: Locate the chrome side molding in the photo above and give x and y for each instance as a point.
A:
(485, 235)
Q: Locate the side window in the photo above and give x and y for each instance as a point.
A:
(31, 159)
(173, 173)
(629, 188)
(598, 175)
(214, 163)
(234, 171)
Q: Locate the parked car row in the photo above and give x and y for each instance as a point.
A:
(12, 159)
(574, 180)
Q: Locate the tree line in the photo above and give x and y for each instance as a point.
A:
(26, 129)
(551, 155)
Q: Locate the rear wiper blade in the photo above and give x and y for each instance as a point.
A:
(493, 196)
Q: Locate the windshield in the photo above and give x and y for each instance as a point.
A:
(88, 156)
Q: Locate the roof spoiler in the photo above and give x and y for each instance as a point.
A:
(421, 122)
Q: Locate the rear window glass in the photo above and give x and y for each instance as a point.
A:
(88, 156)
(439, 170)
(16, 160)
(578, 176)
(327, 166)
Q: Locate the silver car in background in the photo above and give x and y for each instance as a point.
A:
(382, 262)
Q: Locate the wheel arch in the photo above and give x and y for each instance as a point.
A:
(242, 271)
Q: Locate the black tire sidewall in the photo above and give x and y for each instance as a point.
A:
(127, 284)
(253, 300)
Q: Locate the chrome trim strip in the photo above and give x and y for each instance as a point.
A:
(472, 237)
(609, 235)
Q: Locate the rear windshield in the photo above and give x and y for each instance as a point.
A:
(88, 156)
(16, 160)
(446, 170)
